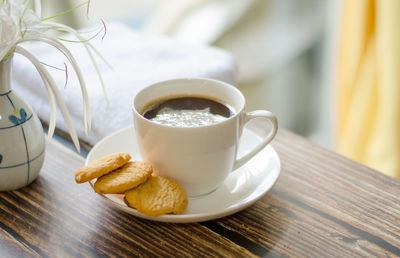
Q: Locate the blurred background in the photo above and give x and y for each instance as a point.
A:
(288, 55)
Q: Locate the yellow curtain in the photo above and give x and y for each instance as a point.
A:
(369, 84)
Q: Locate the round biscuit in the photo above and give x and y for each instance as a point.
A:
(159, 195)
(125, 178)
(101, 166)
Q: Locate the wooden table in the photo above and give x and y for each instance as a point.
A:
(323, 205)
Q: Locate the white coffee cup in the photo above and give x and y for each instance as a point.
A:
(199, 158)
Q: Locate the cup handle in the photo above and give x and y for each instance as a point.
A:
(249, 116)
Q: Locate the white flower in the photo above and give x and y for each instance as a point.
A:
(18, 23)
(9, 33)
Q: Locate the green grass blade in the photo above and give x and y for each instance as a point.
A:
(23, 14)
(65, 12)
(81, 41)
(87, 10)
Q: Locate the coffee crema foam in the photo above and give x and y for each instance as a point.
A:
(187, 118)
(187, 111)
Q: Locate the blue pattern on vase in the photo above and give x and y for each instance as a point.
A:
(17, 121)
(22, 142)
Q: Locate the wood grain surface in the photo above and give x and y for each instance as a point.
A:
(323, 205)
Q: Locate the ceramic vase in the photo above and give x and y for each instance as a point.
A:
(22, 141)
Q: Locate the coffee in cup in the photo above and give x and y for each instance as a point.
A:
(187, 111)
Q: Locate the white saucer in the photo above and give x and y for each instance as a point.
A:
(241, 189)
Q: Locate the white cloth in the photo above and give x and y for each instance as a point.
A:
(138, 60)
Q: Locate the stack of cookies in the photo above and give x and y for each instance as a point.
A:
(149, 194)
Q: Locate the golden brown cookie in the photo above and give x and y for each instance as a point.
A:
(127, 177)
(101, 166)
(159, 195)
